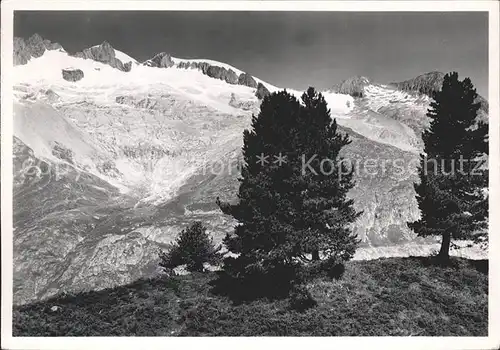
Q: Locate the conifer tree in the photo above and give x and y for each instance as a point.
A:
(295, 206)
(327, 213)
(193, 248)
(451, 193)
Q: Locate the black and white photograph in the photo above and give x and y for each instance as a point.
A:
(236, 171)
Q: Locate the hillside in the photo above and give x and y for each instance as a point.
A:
(114, 157)
(386, 297)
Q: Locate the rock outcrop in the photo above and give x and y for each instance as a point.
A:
(353, 86)
(161, 60)
(203, 66)
(72, 74)
(34, 46)
(104, 53)
(431, 82)
(216, 72)
(425, 83)
(127, 66)
(51, 96)
(262, 91)
(247, 80)
(228, 75)
(237, 103)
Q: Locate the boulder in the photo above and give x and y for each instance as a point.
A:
(72, 74)
(55, 308)
(247, 80)
(50, 96)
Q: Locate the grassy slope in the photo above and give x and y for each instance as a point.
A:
(393, 296)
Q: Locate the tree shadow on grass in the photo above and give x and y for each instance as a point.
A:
(453, 262)
(251, 288)
(480, 265)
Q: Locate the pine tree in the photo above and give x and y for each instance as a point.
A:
(289, 208)
(450, 194)
(193, 248)
(326, 213)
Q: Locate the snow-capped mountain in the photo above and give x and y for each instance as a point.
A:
(113, 157)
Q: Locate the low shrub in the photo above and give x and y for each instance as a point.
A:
(301, 299)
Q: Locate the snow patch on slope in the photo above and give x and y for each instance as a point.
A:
(124, 57)
(39, 125)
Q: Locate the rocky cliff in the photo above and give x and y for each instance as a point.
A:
(247, 80)
(430, 82)
(353, 86)
(160, 60)
(104, 53)
(33, 47)
(261, 91)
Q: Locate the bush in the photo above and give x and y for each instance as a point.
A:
(193, 248)
(330, 268)
(334, 269)
(301, 299)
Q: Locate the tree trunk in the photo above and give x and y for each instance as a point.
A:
(315, 255)
(444, 252)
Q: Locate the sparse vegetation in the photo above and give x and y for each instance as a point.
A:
(385, 297)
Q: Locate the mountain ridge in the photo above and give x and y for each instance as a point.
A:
(105, 53)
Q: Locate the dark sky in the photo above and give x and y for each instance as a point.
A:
(288, 49)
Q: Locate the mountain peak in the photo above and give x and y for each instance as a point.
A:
(35, 38)
(34, 46)
(104, 53)
(160, 60)
(105, 43)
(425, 83)
(353, 86)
